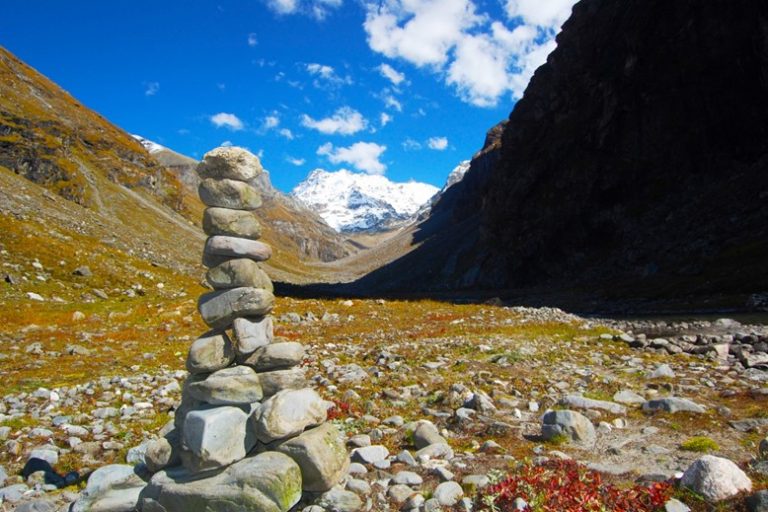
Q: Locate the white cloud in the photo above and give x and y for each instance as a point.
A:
(317, 9)
(226, 120)
(392, 102)
(364, 156)
(286, 133)
(391, 74)
(411, 145)
(252, 40)
(419, 31)
(283, 6)
(550, 13)
(481, 59)
(152, 88)
(345, 121)
(385, 119)
(271, 121)
(437, 143)
(295, 161)
(326, 76)
(226, 144)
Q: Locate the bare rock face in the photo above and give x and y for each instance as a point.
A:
(643, 177)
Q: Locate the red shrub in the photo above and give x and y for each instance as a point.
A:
(565, 486)
(342, 410)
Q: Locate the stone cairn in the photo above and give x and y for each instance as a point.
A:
(249, 434)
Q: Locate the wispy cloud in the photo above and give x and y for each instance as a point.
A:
(286, 133)
(298, 162)
(410, 144)
(437, 143)
(326, 76)
(345, 121)
(391, 74)
(252, 39)
(363, 156)
(318, 9)
(385, 119)
(227, 120)
(151, 88)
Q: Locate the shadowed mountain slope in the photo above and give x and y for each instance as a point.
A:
(635, 165)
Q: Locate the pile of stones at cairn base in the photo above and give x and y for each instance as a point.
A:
(249, 434)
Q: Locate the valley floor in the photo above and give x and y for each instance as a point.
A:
(84, 381)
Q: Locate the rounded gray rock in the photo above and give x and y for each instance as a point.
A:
(448, 493)
(219, 309)
(252, 333)
(228, 222)
(230, 162)
(229, 386)
(572, 424)
(237, 273)
(236, 195)
(715, 478)
(234, 247)
(279, 380)
(288, 413)
(320, 454)
(276, 356)
(209, 353)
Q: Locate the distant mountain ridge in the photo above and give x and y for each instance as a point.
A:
(353, 202)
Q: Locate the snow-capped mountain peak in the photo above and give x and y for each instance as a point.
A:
(350, 201)
(152, 147)
(456, 175)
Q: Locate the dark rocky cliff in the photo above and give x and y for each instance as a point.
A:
(636, 162)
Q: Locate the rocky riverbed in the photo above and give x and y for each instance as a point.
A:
(437, 401)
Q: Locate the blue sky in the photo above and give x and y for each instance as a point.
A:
(404, 88)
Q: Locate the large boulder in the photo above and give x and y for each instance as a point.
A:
(113, 488)
(320, 454)
(268, 482)
(230, 162)
(236, 195)
(215, 437)
(219, 309)
(230, 386)
(573, 425)
(288, 413)
(715, 478)
(210, 352)
(225, 221)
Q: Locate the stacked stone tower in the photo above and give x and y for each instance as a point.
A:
(249, 433)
